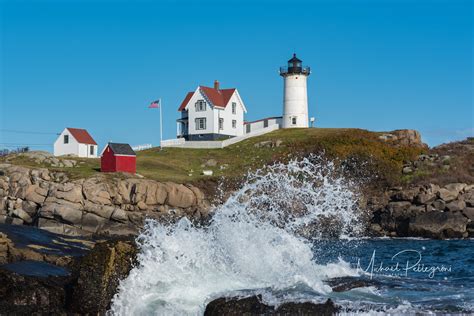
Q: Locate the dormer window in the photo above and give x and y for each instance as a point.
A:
(200, 106)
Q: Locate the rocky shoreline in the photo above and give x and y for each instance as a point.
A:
(93, 206)
(101, 206)
(429, 211)
(253, 305)
(91, 280)
(77, 235)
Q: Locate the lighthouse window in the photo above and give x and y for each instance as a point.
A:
(221, 123)
(201, 123)
(293, 120)
(200, 106)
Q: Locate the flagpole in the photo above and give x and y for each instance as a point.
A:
(161, 123)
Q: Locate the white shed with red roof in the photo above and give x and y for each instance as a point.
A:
(211, 114)
(77, 142)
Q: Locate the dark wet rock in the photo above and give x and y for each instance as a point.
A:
(470, 229)
(99, 273)
(42, 272)
(433, 212)
(21, 294)
(36, 268)
(439, 225)
(19, 243)
(348, 283)
(254, 306)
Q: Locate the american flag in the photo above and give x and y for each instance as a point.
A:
(154, 104)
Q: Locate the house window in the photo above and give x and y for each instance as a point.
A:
(66, 139)
(234, 124)
(265, 123)
(234, 107)
(247, 128)
(92, 150)
(201, 123)
(221, 123)
(200, 106)
(293, 120)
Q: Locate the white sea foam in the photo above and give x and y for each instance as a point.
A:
(257, 241)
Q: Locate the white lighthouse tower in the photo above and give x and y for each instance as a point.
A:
(295, 95)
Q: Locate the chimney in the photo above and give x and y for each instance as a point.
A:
(216, 84)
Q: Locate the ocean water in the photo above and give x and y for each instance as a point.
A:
(408, 275)
(289, 233)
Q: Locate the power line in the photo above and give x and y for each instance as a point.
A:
(20, 144)
(27, 132)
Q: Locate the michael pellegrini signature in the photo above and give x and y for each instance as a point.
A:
(402, 263)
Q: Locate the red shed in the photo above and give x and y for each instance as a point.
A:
(118, 158)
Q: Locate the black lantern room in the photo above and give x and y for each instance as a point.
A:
(295, 66)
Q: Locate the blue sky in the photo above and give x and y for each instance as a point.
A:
(377, 65)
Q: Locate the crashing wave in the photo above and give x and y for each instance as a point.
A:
(259, 241)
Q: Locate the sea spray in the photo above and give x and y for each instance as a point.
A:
(258, 241)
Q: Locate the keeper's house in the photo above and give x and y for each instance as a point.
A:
(77, 142)
(211, 114)
(118, 158)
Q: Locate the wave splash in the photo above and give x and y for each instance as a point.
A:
(259, 241)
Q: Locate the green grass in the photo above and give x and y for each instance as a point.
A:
(186, 165)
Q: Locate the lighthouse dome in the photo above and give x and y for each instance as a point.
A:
(295, 66)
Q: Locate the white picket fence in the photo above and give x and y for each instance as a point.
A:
(173, 142)
(141, 147)
(215, 144)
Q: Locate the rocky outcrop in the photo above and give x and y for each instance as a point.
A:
(74, 283)
(404, 137)
(425, 211)
(97, 205)
(426, 161)
(99, 275)
(254, 306)
(22, 295)
(45, 158)
(26, 243)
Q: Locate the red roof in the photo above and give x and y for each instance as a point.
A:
(185, 101)
(82, 136)
(218, 97)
